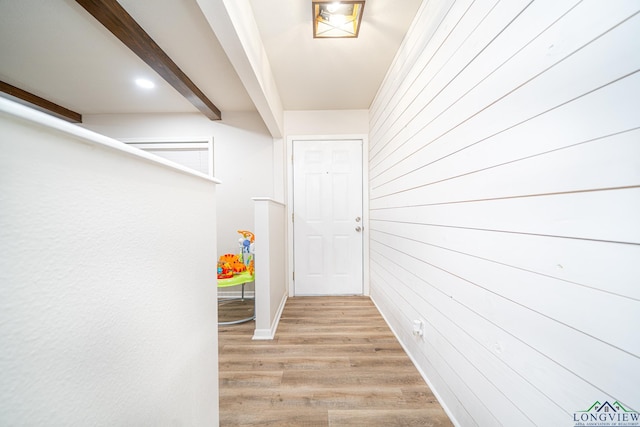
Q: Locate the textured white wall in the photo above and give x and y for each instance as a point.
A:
(108, 311)
(504, 183)
(244, 158)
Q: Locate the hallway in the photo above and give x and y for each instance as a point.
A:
(334, 362)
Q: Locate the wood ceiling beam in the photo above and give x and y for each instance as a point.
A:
(117, 20)
(41, 104)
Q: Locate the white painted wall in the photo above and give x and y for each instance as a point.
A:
(504, 192)
(235, 27)
(108, 312)
(326, 122)
(244, 158)
(271, 266)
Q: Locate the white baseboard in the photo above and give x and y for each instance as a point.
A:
(422, 374)
(269, 334)
(235, 294)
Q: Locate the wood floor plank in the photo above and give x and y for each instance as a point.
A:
(429, 417)
(337, 378)
(285, 330)
(333, 362)
(376, 362)
(346, 313)
(275, 418)
(310, 397)
(278, 363)
(258, 350)
(330, 339)
(420, 393)
(251, 379)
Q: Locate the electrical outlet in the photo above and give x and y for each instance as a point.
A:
(418, 328)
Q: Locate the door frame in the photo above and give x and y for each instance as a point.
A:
(365, 201)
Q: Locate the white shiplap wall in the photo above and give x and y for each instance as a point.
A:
(505, 205)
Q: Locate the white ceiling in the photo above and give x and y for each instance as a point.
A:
(57, 51)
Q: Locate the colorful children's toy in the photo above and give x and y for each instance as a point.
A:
(228, 265)
(232, 264)
(246, 247)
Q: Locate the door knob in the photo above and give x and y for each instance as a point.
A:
(358, 229)
(357, 219)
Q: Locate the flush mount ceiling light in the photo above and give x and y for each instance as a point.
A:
(336, 19)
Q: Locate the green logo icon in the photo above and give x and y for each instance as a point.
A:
(607, 414)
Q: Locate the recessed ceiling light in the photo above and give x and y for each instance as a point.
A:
(333, 19)
(145, 83)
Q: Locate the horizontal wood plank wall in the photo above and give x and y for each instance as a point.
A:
(504, 169)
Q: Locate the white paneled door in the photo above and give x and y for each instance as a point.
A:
(327, 225)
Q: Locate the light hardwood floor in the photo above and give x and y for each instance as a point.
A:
(334, 362)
